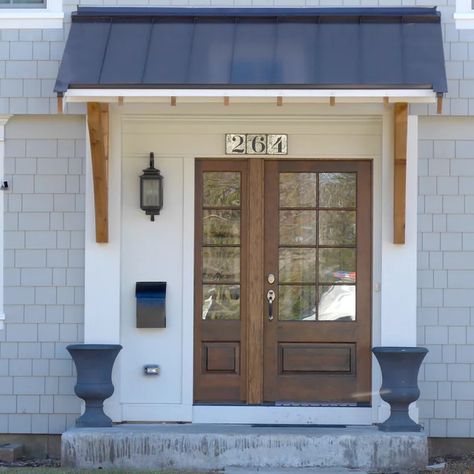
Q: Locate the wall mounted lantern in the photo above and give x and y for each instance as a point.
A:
(151, 190)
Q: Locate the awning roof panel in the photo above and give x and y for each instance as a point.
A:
(255, 48)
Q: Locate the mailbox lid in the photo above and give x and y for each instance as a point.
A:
(150, 289)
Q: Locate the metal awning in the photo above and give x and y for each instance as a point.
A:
(226, 51)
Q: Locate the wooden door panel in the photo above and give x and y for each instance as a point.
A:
(316, 358)
(317, 347)
(220, 291)
(308, 223)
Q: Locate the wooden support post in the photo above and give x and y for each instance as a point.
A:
(279, 101)
(256, 288)
(400, 171)
(98, 122)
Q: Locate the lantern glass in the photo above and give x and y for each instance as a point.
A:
(151, 193)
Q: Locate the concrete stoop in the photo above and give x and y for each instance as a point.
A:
(217, 447)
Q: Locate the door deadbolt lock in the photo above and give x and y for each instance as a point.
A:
(271, 278)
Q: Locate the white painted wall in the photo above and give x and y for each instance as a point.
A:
(163, 250)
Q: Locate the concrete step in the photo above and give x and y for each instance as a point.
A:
(261, 449)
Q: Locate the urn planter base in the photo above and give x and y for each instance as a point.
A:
(94, 363)
(400, 366)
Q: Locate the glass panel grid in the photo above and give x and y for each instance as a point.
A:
(221, 239)
(326, 226)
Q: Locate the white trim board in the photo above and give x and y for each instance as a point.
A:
(252, 95)
(51, 17)
(282, 415)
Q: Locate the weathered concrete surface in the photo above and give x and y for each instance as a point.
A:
(10, 452)
(201, 446)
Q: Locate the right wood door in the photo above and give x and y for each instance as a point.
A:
(317, 290)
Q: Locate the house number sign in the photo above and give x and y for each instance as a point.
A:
(251, 144)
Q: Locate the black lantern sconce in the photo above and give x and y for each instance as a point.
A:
(151, 190)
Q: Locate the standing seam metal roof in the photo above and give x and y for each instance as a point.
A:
(360, 48)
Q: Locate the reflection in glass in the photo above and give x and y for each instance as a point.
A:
(221, 302)
(337, 189)
(337, 227)
(337, 303)
(221, 227)
(296, 303)
(221, 264)
(337, 265)
(221, 188)
(298, 189)
(297, 265)
(297, 227)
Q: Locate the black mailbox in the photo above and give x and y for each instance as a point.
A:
(151, 304)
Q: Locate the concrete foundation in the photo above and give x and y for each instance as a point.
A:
(10, 452)
(203, 446)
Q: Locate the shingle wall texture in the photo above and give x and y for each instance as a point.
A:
(446, 274)
(44, 231)
(44, 272)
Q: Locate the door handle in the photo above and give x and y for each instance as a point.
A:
(270, 298)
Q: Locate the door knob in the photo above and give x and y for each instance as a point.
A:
(270, 298)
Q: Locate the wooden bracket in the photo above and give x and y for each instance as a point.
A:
(60, 104)
(98, 123)
(226, 100)
(173, 101)
(400, 171)
(332, 101)
(386, 101)
(279, 101)
(439, 104)
(120, 100)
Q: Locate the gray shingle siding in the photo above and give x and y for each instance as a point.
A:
(44, 231)
(445, 274)
(44, 272)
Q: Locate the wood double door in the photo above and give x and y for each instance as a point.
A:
(282, 281)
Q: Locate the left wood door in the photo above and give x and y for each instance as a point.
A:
(221, 247)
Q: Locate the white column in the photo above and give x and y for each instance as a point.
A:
(398, 272)
(102, 261)
(398, 280)
(3, 121)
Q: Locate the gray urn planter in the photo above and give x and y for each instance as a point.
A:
(94, 364)
(400, 366)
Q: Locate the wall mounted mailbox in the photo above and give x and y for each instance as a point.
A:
(151, 304)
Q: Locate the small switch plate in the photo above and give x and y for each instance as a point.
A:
(151, 369)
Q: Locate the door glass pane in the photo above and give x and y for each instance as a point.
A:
(221, 227)
(298, 189)
(297, 228)
(297, 303)
(221, 189)
(221, 264)
(221, 302)
(337, 189)
(337, 265)
(337, 303)
(337, 227)
(297, 265)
